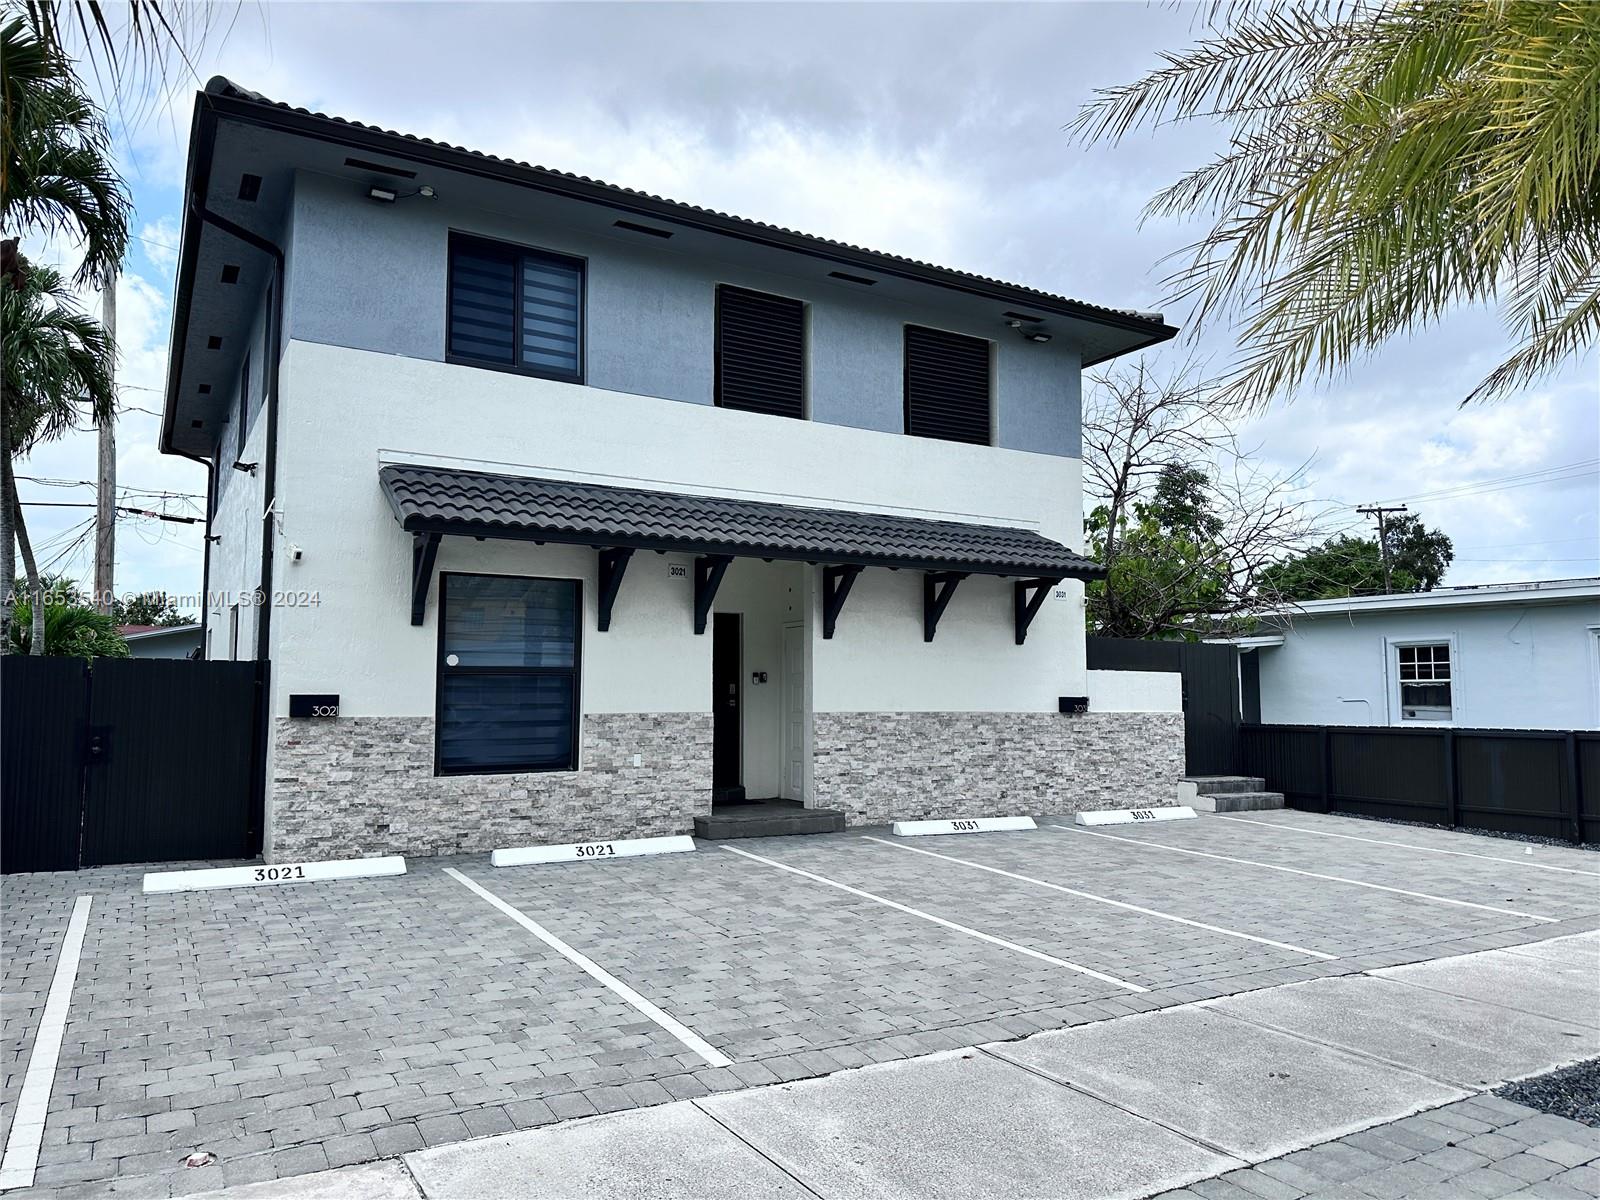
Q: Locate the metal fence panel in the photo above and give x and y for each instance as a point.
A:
(41, 761)
(1509, 780)
(176, 776)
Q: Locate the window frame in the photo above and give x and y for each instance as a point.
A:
(991, 371)
(579, 620)
(1397, 706)
(518, 252)
(717, 399)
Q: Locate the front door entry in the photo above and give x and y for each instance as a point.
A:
(727, 723)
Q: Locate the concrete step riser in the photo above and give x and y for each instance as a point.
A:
(1227, 802)
(1219, 784)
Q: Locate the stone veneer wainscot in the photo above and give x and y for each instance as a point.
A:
(366, 785)
(880, 767)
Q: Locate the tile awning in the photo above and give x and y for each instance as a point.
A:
(440, 500)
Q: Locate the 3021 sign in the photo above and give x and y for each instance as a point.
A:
(318, 705)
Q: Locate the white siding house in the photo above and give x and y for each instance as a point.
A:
(1498, 656)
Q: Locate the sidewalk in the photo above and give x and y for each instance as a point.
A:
(1304, 1089)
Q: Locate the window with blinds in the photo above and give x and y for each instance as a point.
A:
(946, 385)
(761, 352)
(513, 308)
(508, 674)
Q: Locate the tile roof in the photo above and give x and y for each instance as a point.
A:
(448, 500)
(1151, 323)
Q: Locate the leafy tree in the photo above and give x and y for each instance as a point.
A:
(1168, 567)
(1183, 546)
(149, 608)
(55, 373)
(1353, 566)
(65, 629)
(55, 176)
(1387, 162)
(58, 173)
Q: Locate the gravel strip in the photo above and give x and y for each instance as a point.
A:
(1535, 838)
(1572, 1092)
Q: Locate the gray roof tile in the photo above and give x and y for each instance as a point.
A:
(448, 500)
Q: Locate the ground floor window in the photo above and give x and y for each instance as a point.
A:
(1424, 673)
(507, 674)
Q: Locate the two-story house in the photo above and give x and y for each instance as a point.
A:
(585, 509)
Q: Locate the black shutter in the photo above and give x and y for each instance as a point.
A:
(552, 315)
(761, 349)
(947, 386)
(483, 302)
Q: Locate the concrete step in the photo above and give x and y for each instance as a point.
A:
(1211, 785)
(1227, 802)
(772, 823)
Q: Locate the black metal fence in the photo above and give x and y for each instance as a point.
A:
(1510, 780)
(130, 760)
(1210, 693)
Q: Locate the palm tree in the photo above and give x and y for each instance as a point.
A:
(55, 372)
(56, 173)
(1387, 162)
(55, 176)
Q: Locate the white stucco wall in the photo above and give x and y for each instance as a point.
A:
(1135, 691)
(1516, 666)
(235, 571)
(343, 411)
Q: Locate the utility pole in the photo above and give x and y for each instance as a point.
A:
(1382, 514)
(105, 520)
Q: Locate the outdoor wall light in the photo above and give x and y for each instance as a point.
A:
(247, 468)
(1029, 330)
(388, 195)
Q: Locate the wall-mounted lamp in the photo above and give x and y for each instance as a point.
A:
(247, 468)
(214, 538)
(385, 195)
(1029, 330)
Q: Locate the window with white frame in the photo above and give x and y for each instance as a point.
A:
(1423, 671)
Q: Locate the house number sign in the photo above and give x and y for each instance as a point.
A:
(305, 704)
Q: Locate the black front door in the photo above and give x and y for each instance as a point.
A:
(727, 769)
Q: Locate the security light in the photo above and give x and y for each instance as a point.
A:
(381, 195)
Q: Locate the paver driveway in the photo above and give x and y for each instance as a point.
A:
(290, 1029)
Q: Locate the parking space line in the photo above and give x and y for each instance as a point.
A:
(1138, 908)
(33, 1103)
(916, 912)
(1249, 862)
(1350, 837)
(683, 1033)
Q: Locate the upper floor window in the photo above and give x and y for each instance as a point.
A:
(946, 385)
(514, 308)
(1424, 678)
(761, 351)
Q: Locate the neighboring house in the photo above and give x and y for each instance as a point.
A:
(161, 641)
(1497, 656)
(584, 507)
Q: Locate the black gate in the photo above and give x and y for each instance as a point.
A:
(1210, 693)
(132, 760)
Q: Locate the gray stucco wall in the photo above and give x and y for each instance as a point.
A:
(372, 277)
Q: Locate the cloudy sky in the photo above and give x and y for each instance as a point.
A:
(929, 130)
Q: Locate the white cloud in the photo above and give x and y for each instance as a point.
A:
(932, 131)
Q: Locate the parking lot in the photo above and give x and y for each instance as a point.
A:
(289, 1029)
